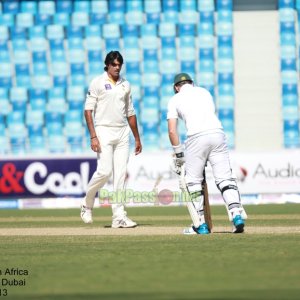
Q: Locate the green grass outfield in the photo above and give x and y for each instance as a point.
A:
(67, 259)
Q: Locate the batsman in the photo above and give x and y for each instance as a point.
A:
(206, 142)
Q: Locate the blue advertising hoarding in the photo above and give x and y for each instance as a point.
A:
(45, 178)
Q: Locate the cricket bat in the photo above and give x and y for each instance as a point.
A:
(156, 183)
(206, 206)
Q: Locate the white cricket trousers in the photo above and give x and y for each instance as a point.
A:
(201, 148)
(113, 159)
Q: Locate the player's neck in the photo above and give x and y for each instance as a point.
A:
(113, 79)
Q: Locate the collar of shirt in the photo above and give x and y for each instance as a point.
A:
(107, 78)
(186, 86)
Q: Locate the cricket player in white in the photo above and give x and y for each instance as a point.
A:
(205, 142)
(108, 112)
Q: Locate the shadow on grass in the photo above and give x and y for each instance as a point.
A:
(222, 232)
(140, 224)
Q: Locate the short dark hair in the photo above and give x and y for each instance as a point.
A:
(110, 57)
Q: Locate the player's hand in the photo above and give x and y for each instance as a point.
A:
(95, 145)
(179, 159)
(138, 147)
(177, 165)
(178, 155)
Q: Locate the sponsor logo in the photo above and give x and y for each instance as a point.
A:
(241, 174)
(10, 179)
(144, 173)
(71, 183)
(27, 178)
(287, 172)
(107, 86)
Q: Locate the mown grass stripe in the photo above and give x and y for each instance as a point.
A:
(141, 230)
(139, 218)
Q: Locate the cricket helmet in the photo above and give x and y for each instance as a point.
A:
(182, 77)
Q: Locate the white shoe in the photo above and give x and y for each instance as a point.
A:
(189, 231)
(123, 223)
(86, 215)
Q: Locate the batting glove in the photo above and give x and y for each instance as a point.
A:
(179, 155)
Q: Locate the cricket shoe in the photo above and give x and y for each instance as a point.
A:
(238, 223)
(125, 222)
(202, 229)
(86, 215)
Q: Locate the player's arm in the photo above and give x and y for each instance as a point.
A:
(135, 131)
(175, 141)
(90, 103)
(132, 121)
(172, 117)
(173, 134)
(90, 123)
(95, 144)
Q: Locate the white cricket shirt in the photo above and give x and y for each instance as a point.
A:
(111, 102)
(195, 106)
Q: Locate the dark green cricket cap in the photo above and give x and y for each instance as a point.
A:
(182, 77)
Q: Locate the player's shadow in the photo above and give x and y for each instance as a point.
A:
(222, 232)
(138, 225)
